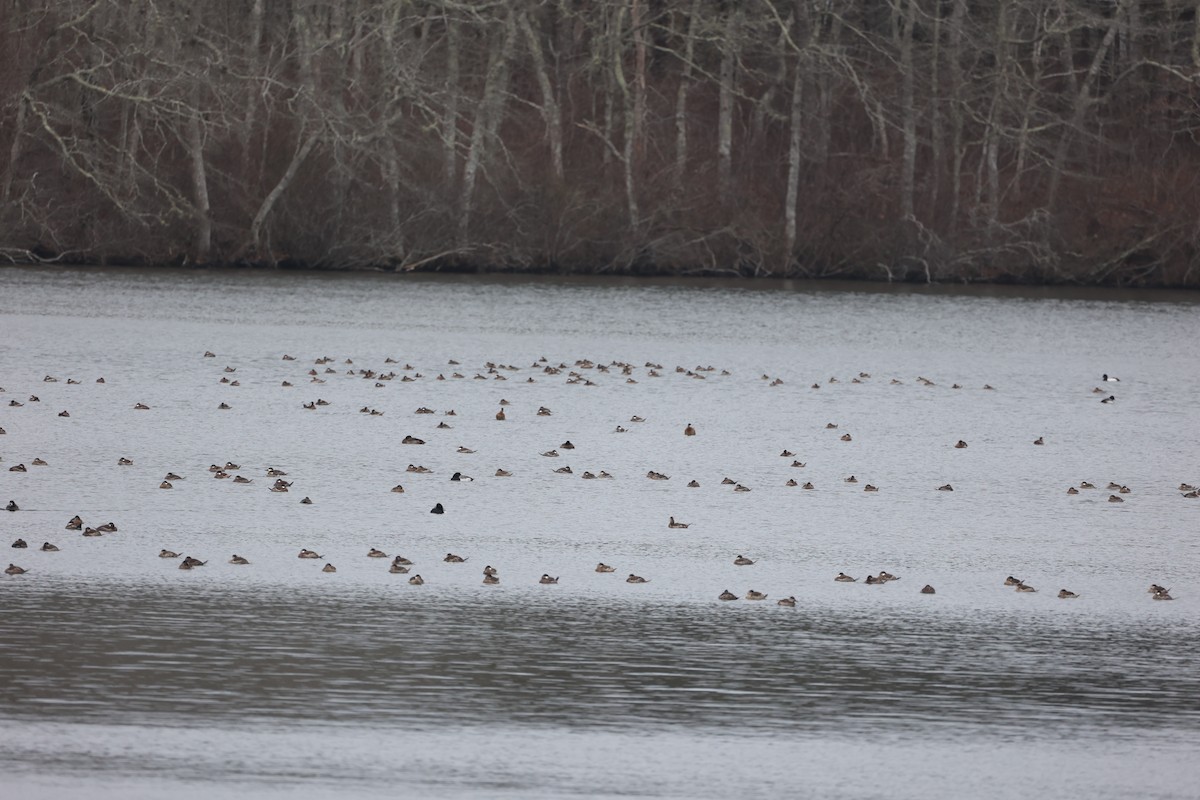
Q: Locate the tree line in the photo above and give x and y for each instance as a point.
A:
(975, 140)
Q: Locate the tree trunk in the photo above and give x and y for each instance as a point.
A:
(450, 118)
(550, 112)
(487, 117)
(1083, 102)
(194, 141)
(627, 155)
(269, 201)
(725, 106)
(681, 96)
(793, 176)
(907, 77)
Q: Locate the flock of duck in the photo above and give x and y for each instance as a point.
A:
(497, 372)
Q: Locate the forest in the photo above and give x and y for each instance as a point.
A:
(1005, 141)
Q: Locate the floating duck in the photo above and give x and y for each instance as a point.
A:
(49, 548)
(13, 569)
(742, 561)
(20, 544)
(167, 554)
(602, 567)
(239, 560)
(1063, 594)
(437, 509)
(674, 524)
(329, 568)
(453, 559)
(416, 580)
(689, 430)
(927, 589)
(373, 553)
(306, 553)
(546, 579)
(844, 578)
(787, 602)
(635, 579)
(753, 595)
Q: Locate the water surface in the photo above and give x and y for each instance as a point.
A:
(125, 676)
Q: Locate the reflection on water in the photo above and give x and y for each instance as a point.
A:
(123, 674)
(152, 654)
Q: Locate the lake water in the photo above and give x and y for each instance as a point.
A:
(122, 676)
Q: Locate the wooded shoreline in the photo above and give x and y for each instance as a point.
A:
(1018, 142)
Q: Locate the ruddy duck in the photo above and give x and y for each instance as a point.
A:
(238, 560)
(602, 567)
(753, 595)
(787, 602)
(742, 561)
(844, 578)
(546, 579)
(635, 579)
